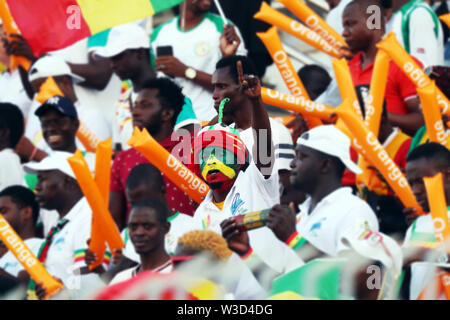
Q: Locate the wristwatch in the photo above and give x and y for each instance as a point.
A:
(190, 73)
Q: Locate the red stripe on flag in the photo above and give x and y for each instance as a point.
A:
(49, 25)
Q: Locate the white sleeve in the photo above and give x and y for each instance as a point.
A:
(268, 187)
(96, 123)
(424, 45)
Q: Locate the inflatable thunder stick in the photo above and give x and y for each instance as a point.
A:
(110, 232)
(438, 211)
(446, 19)
(172, 168)
(345, 83)
(102, 179)
(431, 113)
(296, 104)
(27, 259)
(11, 28)
(281, 59)
(315, 22)
(373, 111)
(295, 28)
(369, 147)
(406, 63)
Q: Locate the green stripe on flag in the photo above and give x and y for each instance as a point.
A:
(161, 5)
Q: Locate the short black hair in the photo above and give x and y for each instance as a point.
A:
(433, 152)
(364, 4)
(160, 208)
(315, 79)
(12, 118)
(22, 197)
(145, 174)
(248, 66)
(169, 93)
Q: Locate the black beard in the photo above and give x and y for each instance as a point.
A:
(216, 185)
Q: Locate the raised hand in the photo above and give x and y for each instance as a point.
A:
(170, 66)
(250, 84)
(18, 46)
(229, 41)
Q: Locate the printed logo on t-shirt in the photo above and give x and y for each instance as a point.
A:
(236, 205)
(202, 49)
(316, 226)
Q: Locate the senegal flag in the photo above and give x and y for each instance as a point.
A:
(49, 25)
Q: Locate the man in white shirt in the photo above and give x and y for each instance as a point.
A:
(19, 207)
(198, 39)
(418, 30)
(331, 212)
(239, 185)
(425, 160)
(239, 115)
(65, 245)
(11, 130)
(147, 228)
(90, 118)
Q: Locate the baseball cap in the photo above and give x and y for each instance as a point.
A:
(124, 37)
(58, 103)
(51, 66)
(330, 140)
(56, 161)
(377, 246)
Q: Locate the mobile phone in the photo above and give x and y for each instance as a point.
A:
(164, 51)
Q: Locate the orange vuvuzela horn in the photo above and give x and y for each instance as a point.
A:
(433, 119)
(445, 18)
(438, 210)
(315, 22)
(110, 232)
(371, 149)
(412, 70)
(102, 179)
(11, 28)
(373, 111)
(283, 63)
(27, 259)
(277, 19)
(296, 104)
(173, 169)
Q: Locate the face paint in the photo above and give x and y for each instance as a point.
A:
(216, 173)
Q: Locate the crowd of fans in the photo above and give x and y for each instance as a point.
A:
(194, 82)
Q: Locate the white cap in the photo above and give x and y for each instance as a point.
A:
(377, 246)
(124, 37)
(56, 161)
(330, 140)
(48, 66)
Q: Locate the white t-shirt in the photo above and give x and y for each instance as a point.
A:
(423, 229)
(66, 253)
(91, 118)
(127, 274)
(250, 192)
(12, 91)
(282, 141)
(180, 223)
(11, 171)
(424, 45)
(198, 48)
(10, 264)
(334, 17)
(340, 214)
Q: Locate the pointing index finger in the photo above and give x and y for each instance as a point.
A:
(240, 73)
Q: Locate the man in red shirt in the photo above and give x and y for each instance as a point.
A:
(157, 106)
(401, 98)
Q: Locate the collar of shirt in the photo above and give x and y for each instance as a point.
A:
(356, 62)
(79, 208)
(341, 193)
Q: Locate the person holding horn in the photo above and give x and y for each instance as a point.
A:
(401, 98)
(425, 160)
(239, 184)
(64, 247)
